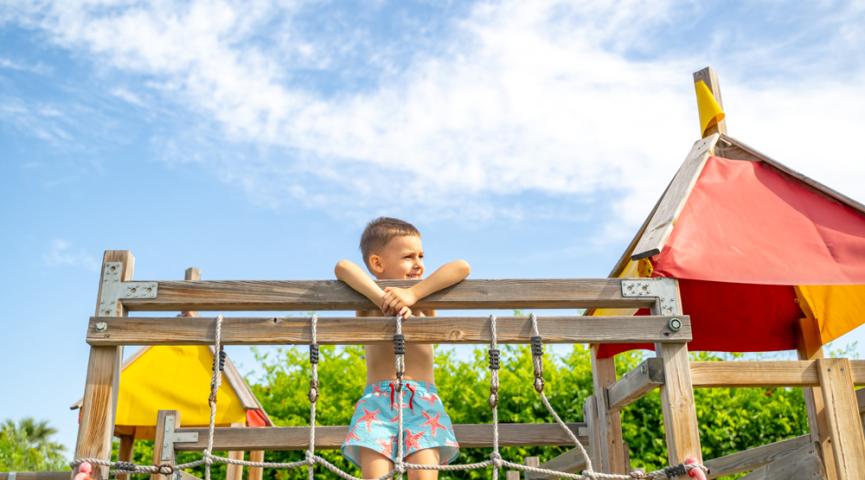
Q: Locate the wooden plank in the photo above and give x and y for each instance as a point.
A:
(737, 147)
(764, 374)
(335, 295)
(571, 461)
(801, 464)
(256, 473)
(331, 437)
(842, 415)
(710, 78)
(860, 398)
(531, 462)
(590, 415)
(612, 455)
(756, 457)
(677, 402)
(351, 330)
(124, 453)
(161, 455)
(512, 475)
(633, 385)
(103, 381)
(36, 475)
(234, 472)
(810, 348)
(671, 204)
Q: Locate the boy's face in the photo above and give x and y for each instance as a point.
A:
(400, 259)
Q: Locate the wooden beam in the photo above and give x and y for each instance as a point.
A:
(633, 385)
(124, 453)
(335, 295)
(590, 415)
(571, 461)
(756, 457)
(232, 471)
(99, 403)
(160, 454)
(810, 348)
(531, 462)
(331, 437)
(673, 201)
(256, 473)
(710, 78)
(352, 331)
(794, 373)
(612, 455)
(842, 415)
(802, 464)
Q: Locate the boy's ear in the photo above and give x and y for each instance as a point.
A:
(375, 264)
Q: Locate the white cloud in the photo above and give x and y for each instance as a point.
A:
(562, 99)
(62, 254)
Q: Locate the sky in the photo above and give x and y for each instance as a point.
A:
(254, 140)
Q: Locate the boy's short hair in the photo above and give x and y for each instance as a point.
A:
(382, 230)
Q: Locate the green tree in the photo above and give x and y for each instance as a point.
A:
(27, 446)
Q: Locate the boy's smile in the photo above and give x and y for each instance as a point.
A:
(401, 258)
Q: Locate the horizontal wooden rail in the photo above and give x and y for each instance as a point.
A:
(636, 383)
(801, 373)
(331, 437)
(105, 331)
(571, 461)
(756, 457)
(37, 475)
(335, 295)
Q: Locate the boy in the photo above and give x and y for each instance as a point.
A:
(391, 249)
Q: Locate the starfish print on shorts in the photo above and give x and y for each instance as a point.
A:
(411, 440)
(368, 418)
(431, 398)
(433, 422)
(351, 436)
(376, 390)
(387, 447)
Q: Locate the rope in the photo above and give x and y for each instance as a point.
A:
(400, 466)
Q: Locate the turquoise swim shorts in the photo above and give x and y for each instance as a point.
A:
(425, 423)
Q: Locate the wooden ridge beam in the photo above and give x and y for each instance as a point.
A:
(331, 437)
(797, 373)
(105, 331)
(334, 295)
(633, 385)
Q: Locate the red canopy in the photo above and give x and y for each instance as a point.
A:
(747, 235)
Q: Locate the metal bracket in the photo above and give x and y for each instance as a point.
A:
(170, 437)
(664, 289)
(113, 290)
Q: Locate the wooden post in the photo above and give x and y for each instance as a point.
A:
(234, 472)
(124, 454)
(590, 413)
(103, 368)
(162, 455)
(256, 473)
(710, 77)
(512, 475)
(531, 462)
(810, 349)
(677, 397)
(842, 416)
(612, 454)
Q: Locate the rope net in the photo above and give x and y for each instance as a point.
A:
(691, 469)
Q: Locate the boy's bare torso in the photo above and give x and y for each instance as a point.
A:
(380, 359)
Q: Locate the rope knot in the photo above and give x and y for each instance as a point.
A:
(539, 384)
(166, 469)
(310, 457)
(494, 399)
(496, 458)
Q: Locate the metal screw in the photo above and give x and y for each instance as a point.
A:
(674, 324)
(101, 326)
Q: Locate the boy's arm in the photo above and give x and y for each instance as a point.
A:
(354, 276)
(445, 276)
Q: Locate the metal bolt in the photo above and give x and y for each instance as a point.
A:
(101, 326)
(674, 324)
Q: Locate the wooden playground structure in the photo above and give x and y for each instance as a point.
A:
(834, 449)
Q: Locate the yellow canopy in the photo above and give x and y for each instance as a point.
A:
(836, 309)
(174, 378)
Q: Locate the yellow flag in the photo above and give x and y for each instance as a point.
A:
(711, 112)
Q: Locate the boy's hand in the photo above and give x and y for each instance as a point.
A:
(397, 301)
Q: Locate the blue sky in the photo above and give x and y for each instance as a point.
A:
(255, 139)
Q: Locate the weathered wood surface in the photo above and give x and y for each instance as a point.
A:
(335, 295)
(331, 437)
(612, 455)
(671, 204)
(810, 348)
(801, 464)
(351, 330)
(124, 452)
(590, 414)
(842, 415)
(710, 77)
(633, 385)
(677, 403)
(256, 473)
(161, 455)
(764, 374)
(571, 461)
(756, 457)
(37, 475)
(99, 403)
(235, 472)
